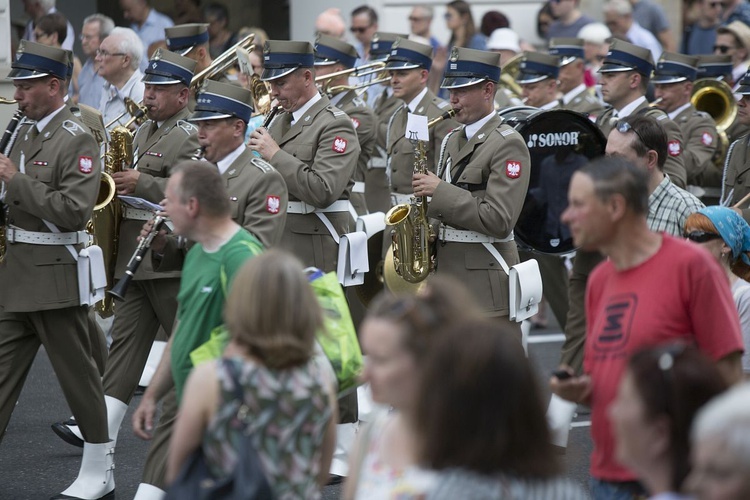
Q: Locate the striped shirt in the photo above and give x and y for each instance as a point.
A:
(669, 207)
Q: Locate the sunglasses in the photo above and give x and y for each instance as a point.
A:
(624, 127)
(414, 19)
(701, 236)
(723, 49)
(356, 29)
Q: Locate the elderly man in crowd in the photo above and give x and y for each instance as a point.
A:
(119, 57)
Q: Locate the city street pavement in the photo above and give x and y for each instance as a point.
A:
(36, 464)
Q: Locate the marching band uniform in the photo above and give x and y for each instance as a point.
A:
(378, 194)
(317, 159)
(580, 99)
(485, 176)
(410, 55)
(257, 192)
(329, 51)
(50, 200)
(736, 178)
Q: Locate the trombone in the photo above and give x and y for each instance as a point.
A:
(371, 68)
(4, 100)
(136, 110)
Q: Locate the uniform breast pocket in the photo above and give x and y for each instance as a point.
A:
(42, 174)
(304, 152)
(472, 179)
(152, 165)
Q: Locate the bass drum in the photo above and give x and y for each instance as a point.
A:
(560, 142)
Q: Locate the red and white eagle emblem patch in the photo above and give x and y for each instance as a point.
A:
(355, 122)
(674, 148)
(513, 169)
(339, 145)
(273, 204)
(707, 139)
(85, 164)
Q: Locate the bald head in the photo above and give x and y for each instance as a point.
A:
(330, 22)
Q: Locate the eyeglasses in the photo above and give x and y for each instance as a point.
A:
(415, 19)
(360, 30)
(105, 54)
(624, 127)
(714, 5)
(448, 15)
(83, 37)
(723, 49)
(701, 236)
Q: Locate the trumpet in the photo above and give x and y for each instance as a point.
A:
(120, 289)
(222, 63)
(371, 68)
(136, 110)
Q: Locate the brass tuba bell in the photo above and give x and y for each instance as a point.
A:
(716, 98)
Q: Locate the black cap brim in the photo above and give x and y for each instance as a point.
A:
(457, 82)
(274, 73)
(393, 65)
(199, 116)
(152, 79)
(609, 67)
(667, 79)
(25, 74)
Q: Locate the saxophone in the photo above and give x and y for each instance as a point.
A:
(104, 225)
(413, 254)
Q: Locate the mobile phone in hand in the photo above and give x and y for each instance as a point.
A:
(561, 374)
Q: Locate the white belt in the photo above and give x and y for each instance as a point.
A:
(398, 198)
(137, 214)
(300, 207)
(359, 187)
(15, 235)
(460, 236)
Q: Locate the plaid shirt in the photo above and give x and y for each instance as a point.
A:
(669, 207)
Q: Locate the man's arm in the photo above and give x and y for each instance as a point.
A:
(730, 367)
(143, 418)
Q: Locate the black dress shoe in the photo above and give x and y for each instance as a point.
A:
(108, 496)
(334, 479)
(61, 429)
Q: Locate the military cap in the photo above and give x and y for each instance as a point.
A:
(380, 46)
(281, 57)
(330, 50)
(217, 100)
(469, 66)
(71, 63)
(714, 66)
(744, 87)
(740, 30)
(34, 60)
(537, 66)
(183, 37)
(624, 56)
(673, 68)
(567, 49)
(165, 68)
(407, 54)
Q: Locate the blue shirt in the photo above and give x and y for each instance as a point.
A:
(700, 40)
(151, 31)
(90, 85)
(741, 13)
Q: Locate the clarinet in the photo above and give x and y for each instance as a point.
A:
(11, 132)
(120, 289)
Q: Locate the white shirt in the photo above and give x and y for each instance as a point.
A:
(415, 102)
(113, 99)
(677, 111)
(296, 115)
(473, 128)
(45, 121)
(644, 38)
(570, 95)
(225, 162)
(550, 105)
(628, 109)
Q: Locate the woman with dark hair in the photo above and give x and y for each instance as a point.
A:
(726, 235)
(396, 334)
(544, 18)
(464, 33)
(492, 20)
(221, 38)
(272, 315)
(659, 395)
(480, 420)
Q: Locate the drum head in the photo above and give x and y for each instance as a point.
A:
(560, 142)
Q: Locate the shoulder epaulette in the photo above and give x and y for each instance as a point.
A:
(507, 132)
(357, 101)
(443, 104)
(702, 114)
(188, 127)
(72, 127)
(262, 164)
(335, 111)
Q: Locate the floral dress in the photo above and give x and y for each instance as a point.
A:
(288, 414)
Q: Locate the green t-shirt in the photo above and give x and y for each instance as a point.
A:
(206, 279)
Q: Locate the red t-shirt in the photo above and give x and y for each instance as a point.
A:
(680, 293)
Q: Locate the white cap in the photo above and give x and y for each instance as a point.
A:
(504, 39)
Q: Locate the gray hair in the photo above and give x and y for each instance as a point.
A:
(106, 24)
(727, 418)
(427, 9)
(129, 43)
(597, 33)
(620, 7)
(47, 4)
